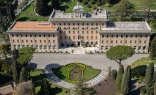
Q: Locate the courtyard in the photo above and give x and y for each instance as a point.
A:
(97, 61)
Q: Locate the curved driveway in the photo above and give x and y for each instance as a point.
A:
(98, 61)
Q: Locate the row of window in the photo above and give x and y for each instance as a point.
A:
(34, 35)
(36, 46)
(79, 28)
(35, 41)
(77, 37)
(134, 47)
(123, 41)
(77, 32)
(122, 36)
(79, 24)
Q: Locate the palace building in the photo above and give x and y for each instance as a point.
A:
(79, 29)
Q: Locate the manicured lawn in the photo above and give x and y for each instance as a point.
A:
(29, 14)
(68, 6)
(63, 73)
(143, 61)
(38, 75)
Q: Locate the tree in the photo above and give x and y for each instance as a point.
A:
(153, 49)
(149, 77)
(23, 75)
(114, 74)
(155, 88)
(15, 54)
(45, 88)
(119, 77)
(14, 71)
(147, 6)
(26, 55)
(5, 49)
(84, 2)
(98, 2)
(25, 88)
(41, 7)
(55, 3)
(126, 82)
(10, 12)
(124, 10)
(119, 53)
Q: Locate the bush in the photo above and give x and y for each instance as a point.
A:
(93, 1)
(89, 5)
(84, 2)
(107, 4)
(143, 90)
(114, 74)
(139, 71)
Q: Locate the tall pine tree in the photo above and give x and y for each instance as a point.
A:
(149, 77)
(41, 7)
(119, 77)
(23, 75)
(153, 49)
(10, 11)
(45, 88)
(126, 82)
(15, 73)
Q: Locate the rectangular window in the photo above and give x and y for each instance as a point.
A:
(102, 41)
(49, 41)
(53, 41)
(74, 37)
(91, 37)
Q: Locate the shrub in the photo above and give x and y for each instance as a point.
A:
(142, 90)
(118, 82)
(93, 1)
(89, 5)
(114, 74)
(84, 2)
(139, 71)
(107, 4)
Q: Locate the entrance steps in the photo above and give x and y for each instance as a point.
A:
(79, 50)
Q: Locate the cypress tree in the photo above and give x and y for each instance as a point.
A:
(23, 75)
(126, 82)
(41, 7)
(15, 74)
(119, 77)
(155, 88)
(153, 49)
(149, 77)
(10, 11)
(45, 88)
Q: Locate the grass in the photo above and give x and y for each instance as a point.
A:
(28, 14)
(142, 61)
(37, 76)
(67, 7)
(63, 72)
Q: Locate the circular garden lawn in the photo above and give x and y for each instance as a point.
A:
(75, 72)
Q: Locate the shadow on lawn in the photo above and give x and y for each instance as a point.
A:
(22, 19)
(56, 90)
(56, 68)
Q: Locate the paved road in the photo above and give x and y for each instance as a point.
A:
(99, 61)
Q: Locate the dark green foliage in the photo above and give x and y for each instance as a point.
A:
(89, 5)
(153, 49)
(55, 3)
(126, 82)
(119, 53)
(98, 2)
(143, 90)
(23, 75)
(149, 77)
(93, 1)
(155, 88)
(124, 10)
(114, 74)
(14, 71)
(15, 54)
(10, 12)
(139, 71)
(119, 77)
(45, 88)
(121, 70)
(26, 55)
(41, 7)
(84, 2)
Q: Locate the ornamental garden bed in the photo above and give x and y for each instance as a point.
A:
(75, 72)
